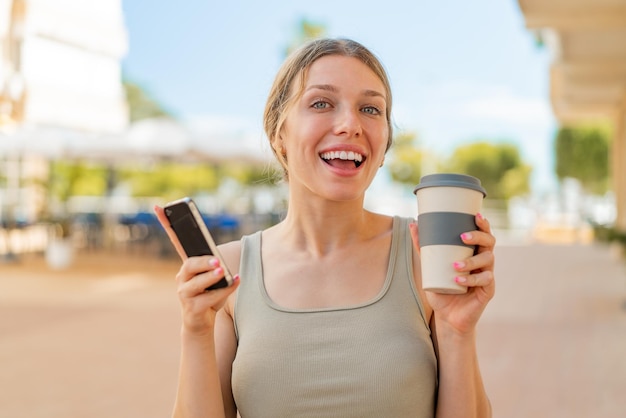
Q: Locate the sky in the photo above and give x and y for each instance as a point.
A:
(460, 71)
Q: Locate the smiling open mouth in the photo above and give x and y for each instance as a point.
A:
(343, 159)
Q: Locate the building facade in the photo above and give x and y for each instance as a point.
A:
(60, 87)
(587, 39)
(60, 64)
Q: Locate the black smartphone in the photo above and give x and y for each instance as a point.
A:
(193, 234)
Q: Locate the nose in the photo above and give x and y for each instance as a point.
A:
(348, 123)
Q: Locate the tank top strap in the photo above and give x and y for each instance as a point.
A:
(250, 271)
(402, 257)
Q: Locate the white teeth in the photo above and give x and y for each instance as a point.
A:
(342, 155)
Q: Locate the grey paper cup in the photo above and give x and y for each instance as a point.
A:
(447, 204)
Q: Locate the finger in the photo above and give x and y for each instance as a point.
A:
(482, 223)
(214, 299)
(165, 223)
(414, 235)
(198, 309)
(479, 238)
(482, 279)
(483, 260)
(200, 282)
(197, 265)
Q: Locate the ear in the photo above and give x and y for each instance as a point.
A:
(279, 146)
(276, 144)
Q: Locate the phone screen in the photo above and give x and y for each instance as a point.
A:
(193, 235)
(188, 232)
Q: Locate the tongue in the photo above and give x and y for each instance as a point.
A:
(345, 164)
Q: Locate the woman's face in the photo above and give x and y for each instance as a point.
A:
(335, 134)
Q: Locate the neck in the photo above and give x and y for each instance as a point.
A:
(322, 227)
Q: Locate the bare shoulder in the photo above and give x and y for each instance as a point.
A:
(231, 253)
(379, 222)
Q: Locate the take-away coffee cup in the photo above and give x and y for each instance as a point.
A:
(447, 204)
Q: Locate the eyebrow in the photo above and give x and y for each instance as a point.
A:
(333, 89)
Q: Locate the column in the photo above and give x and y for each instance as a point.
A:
(619, 166)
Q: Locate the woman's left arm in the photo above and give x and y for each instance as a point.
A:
(461, 392)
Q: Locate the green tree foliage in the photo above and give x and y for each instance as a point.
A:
(306, 30)
(405, 159)
(165, 179)
(170, 180)
(251, 175)
(498, 166)
(582, 152)
(141, 104)
(70, 178)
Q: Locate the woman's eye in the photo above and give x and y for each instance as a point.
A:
(371, 110)
(320, 104)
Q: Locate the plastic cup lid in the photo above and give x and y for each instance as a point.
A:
(450, 180)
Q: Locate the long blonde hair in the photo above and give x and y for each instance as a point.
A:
(283, 95)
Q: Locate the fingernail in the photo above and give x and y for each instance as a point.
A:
(459, 264)
(218, 271)
(460, 279)
(466, 236)
(236, 277)
(214, 262)
(479, 215)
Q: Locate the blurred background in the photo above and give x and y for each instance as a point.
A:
(108, 107)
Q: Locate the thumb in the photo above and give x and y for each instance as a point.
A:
(415, 235)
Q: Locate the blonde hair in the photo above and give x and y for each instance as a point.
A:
(283, 95)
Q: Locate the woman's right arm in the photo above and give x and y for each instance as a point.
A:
(199, 385)
(204, 339)
(204, 322)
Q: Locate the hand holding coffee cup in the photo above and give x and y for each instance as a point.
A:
(447, 204)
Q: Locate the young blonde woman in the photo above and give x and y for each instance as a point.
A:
(329, 318)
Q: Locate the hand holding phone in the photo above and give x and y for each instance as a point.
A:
(193, 235)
